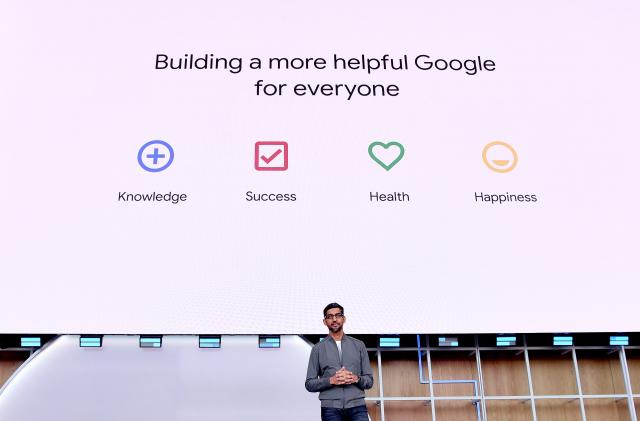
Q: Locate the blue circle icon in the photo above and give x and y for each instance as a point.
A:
(155, 156)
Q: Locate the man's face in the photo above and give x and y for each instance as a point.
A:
(334, 320)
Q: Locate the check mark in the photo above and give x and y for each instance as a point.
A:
(272, 157)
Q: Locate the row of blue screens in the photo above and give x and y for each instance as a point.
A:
(151, 342)
(203, 342)
(274, 341)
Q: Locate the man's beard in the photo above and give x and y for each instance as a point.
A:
(335, 329)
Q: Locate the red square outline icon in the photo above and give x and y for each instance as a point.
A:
(257, 161)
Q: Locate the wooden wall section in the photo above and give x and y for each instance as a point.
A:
(505, 374)
(600, 372)
(552, 373)
(633, 361)
(9, 363)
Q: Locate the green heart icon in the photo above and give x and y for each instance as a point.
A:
(386, 165)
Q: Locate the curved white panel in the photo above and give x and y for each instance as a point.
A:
(179, 381)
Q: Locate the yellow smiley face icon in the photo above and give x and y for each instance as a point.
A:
(499, 156)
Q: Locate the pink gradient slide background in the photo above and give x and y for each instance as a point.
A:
(80, 95)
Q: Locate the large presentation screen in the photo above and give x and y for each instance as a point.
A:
(232, 167)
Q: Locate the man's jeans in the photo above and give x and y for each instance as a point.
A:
(359, 413)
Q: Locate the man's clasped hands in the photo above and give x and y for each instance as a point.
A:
(343, 376)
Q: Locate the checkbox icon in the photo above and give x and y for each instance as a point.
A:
(271, 156)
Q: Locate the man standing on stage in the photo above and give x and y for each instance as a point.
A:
(339, 369)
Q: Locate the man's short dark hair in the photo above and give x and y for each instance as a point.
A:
(330, 306)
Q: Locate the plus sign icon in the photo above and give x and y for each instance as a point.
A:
(155, 156)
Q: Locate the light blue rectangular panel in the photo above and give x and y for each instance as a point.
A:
(389, 342)
(210, 342)
(619, 340)
(30, 342)
(506, 341)
(151, 342)
(562, 340)
(269, 342)
(448, 341)
(90, 341)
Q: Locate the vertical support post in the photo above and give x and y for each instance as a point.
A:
(579, 383)
(483, 406)
(528, 365)
(431, 396)
(627, 384)
(381, 387)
